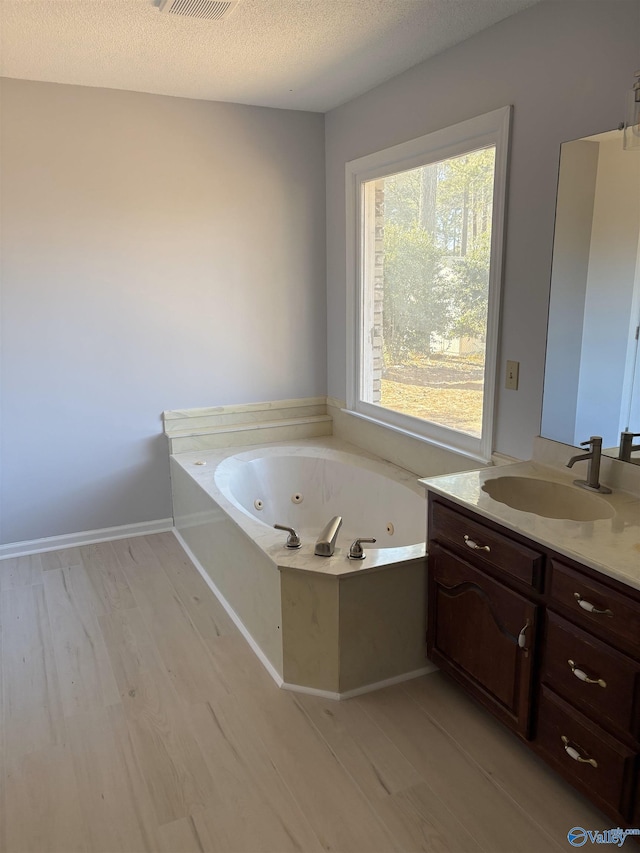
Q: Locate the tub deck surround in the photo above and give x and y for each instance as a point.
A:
(402, 448)
(609, 545)
(341, 634)
(324, 624)
(220, 468)
(246, 424)
(339, 566)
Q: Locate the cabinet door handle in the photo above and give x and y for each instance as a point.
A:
(522, 640)
(582, 675)
(572, 752)
(474, 545)
(590, 608)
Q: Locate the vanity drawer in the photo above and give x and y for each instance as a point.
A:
(613, 692)
(486, 546)
(596, 763)
(597, 607)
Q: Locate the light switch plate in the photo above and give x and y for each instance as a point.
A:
(511, 381)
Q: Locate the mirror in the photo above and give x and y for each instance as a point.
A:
(592, 370)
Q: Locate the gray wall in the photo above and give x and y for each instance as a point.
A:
(157, 253)
(165, 253)
(566, 67)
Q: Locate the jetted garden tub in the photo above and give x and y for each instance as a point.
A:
(319, 624)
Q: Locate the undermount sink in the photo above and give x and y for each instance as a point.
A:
(546, 498)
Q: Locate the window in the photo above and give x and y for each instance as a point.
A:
(425, 222)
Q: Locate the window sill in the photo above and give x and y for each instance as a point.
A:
(417, 437)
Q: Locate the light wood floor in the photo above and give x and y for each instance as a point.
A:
(136, 718)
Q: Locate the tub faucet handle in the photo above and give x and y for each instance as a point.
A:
(356, 552)
(293, 540)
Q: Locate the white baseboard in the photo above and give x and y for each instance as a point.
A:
(311, 691)
(85, 537)
(264, 660)
(366, 688)
(295, 688)
(389, 682)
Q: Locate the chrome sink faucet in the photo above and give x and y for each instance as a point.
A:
(593, 472)
(326, 544)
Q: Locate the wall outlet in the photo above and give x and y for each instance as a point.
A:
(511, 381)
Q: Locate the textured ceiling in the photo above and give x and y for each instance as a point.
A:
(295, 54)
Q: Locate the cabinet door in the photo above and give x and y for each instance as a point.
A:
(482, 633)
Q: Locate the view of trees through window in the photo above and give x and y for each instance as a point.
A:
(427, 274)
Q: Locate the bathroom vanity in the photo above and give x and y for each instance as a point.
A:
(539, 620)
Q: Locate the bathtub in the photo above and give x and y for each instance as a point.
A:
(320, 624)
(304, 486)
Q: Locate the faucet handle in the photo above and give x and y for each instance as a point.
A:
(592, 442)
(293, 540)
(356, 552)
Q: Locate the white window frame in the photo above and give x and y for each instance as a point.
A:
(489, 129)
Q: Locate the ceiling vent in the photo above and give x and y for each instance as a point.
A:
(211, 10)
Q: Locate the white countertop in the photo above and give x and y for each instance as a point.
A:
(610, 546)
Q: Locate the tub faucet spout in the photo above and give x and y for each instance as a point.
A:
(326, 544)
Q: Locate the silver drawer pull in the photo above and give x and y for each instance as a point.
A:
(522, 639)
(572, 752)
(474, 545)
(582, 675)
(589, 607)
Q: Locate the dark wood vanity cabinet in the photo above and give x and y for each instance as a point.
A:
(551, 647)
(482, 633)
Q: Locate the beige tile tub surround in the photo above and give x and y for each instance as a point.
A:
(342, 633)
(246, 424)
(240, 570)
(310, 630)
(307, 417)
(382, 624)
(401, 448)
(319, 624)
